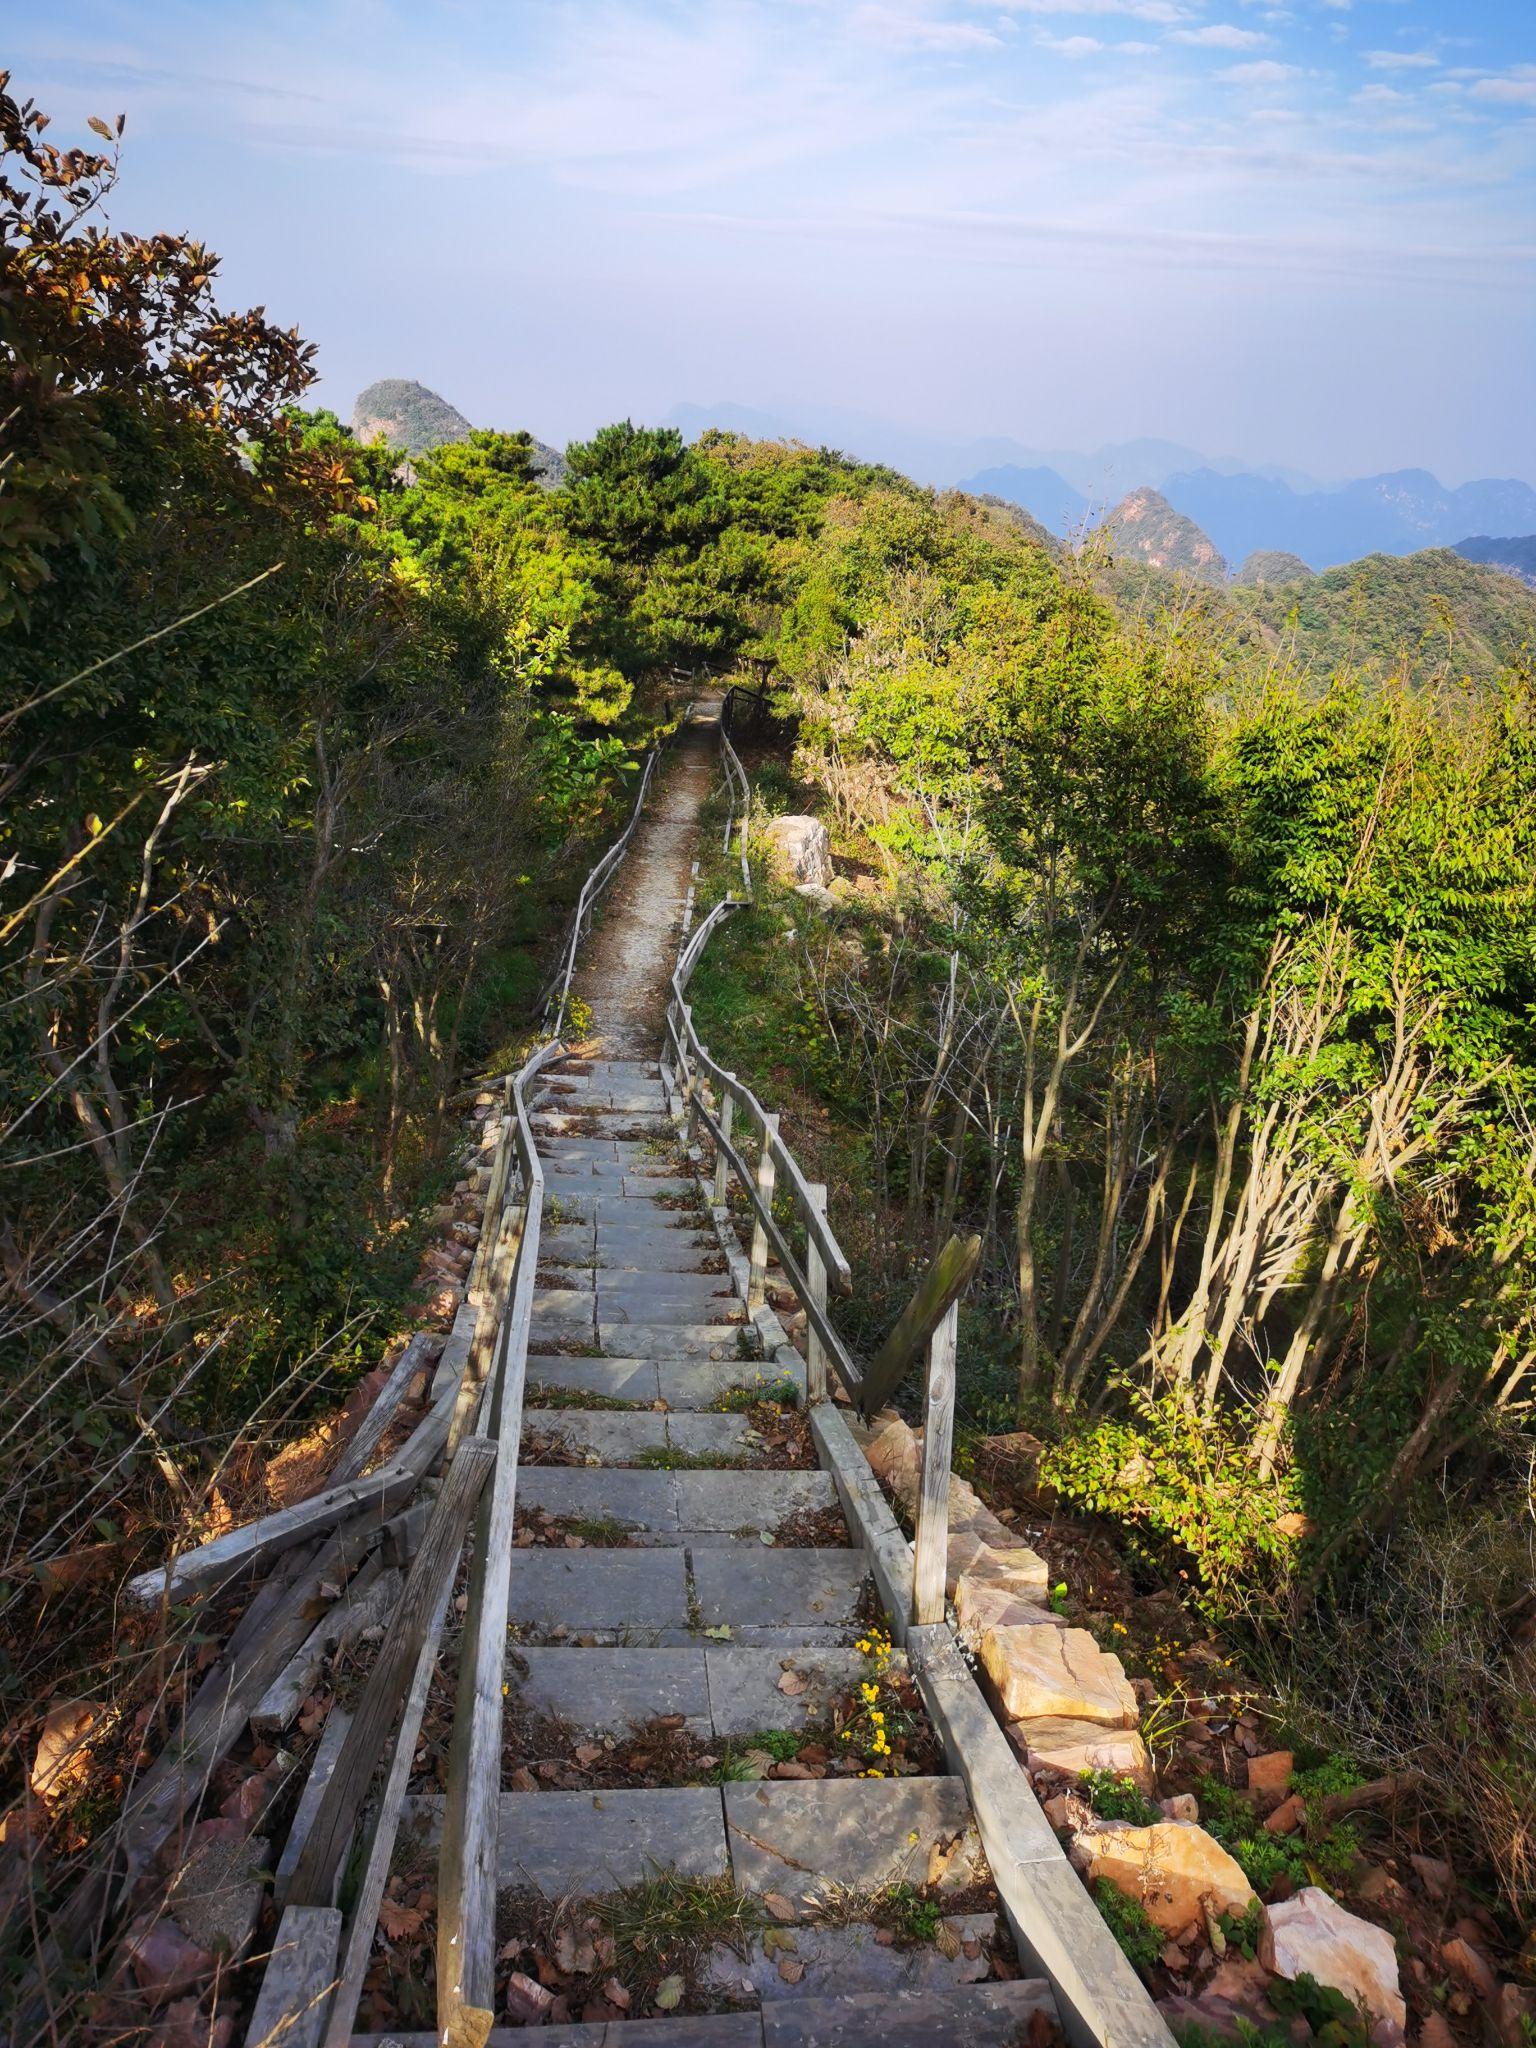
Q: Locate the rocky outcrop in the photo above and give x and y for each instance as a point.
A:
(1178, 1872)
(800, 850)
(1313, 1935)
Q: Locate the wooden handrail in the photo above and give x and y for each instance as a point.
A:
(938, 1291)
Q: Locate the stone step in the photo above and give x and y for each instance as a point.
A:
(674, 1505)
(847, 1960)
(587, 1843)
(806, 1840)
(619, 1440)
(569, 1196)
(689, 1384)
(979, 2015)
(579, 1193)
(637, 1591)
(743, 1588)
(564, 1316)
(721, 1689)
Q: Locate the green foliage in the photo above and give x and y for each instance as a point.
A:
(1183, 1487)
(1244, 1931)
(1141, 1940)
(1117, 1798)
(913, 1917)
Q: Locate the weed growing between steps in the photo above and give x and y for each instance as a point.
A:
(535, 1528)
(538, 1395)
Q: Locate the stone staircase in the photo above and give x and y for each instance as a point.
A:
(683, 1568)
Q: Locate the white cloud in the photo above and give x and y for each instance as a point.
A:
(1071, 46)
(1265, 72)
(919, 28)
(1222, 35)
(1401, 60)
(1516, 87)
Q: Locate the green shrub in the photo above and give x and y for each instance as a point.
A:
(1116, 1798)
(1128, 1921)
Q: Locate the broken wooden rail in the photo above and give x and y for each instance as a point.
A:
(722, 1103)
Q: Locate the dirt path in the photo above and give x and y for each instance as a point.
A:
(629, 956)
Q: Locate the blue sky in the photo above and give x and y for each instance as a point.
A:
(1299, 233)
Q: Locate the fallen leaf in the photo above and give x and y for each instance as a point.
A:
(946, 1941)
(587, 1752)
(669, 1994)
(615, 1994)
(400, 1923)
(793, 1683)
(722, 1634)
(778, 1941)
(778, 1906)
(791, 1969)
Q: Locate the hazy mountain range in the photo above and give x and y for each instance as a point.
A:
(1239, 507)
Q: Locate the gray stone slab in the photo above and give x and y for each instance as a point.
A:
(650, 1187)
(980, 2015)
(665, 1298)
(587, 1843)
(578, 1155)
(713, 1436)
(569, 1198)
(843, 1961)
(577, 1590)
(604, 1439)
(749, 1500)
(745, 1694)
(615, 1379)
(606, 1692)
(799, 1837)
(562, 1305)
(668, 1340)
(579, 1279)
(568, 1244)
(793, 1588)
(640, 1500)
(701, 2030)
(699, 1383)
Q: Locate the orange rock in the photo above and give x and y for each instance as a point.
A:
(1174, 1868)
(1287, 1816)
(1271, 1775)
(1073, 1747)
(1313, 1935)
(1057, 1672)
(1469, 1966)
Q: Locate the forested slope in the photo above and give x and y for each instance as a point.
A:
(1199, 983)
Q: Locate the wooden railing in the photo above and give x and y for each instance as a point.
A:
(722, 1103)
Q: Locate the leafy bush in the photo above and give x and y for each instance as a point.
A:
(1187, 1492)
(1141, 1941)
(1116, 1798)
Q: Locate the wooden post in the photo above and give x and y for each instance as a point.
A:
(722, 1164)
(757, 1279)
(931, 1549)
(685, 1074)
(300, 1975)
(816, 1274)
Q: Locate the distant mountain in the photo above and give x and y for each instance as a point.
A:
(1145, 528)
(1272, 565)
(408, 416)
(1399, 513)
(1516, 557)
(1042, 493)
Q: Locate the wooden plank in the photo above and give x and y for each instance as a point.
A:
(757, 1270)
(467, 1858)
(370, 1432)
(931, 1546)
(816, 1276)
(403, 1534)
(369, 1599)
(300, 1976)
(218, 1715)
(416, 1621)
(943, 1283)
(837, 1351)
(380, 1851)
(722, 1161)
(211, 1564)
(321, 1765)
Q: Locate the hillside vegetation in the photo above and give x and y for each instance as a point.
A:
(1197, 980)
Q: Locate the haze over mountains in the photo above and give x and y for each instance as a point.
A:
(1239, 507)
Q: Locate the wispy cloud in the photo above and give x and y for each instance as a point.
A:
(1265, 71)
(1221, 35)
